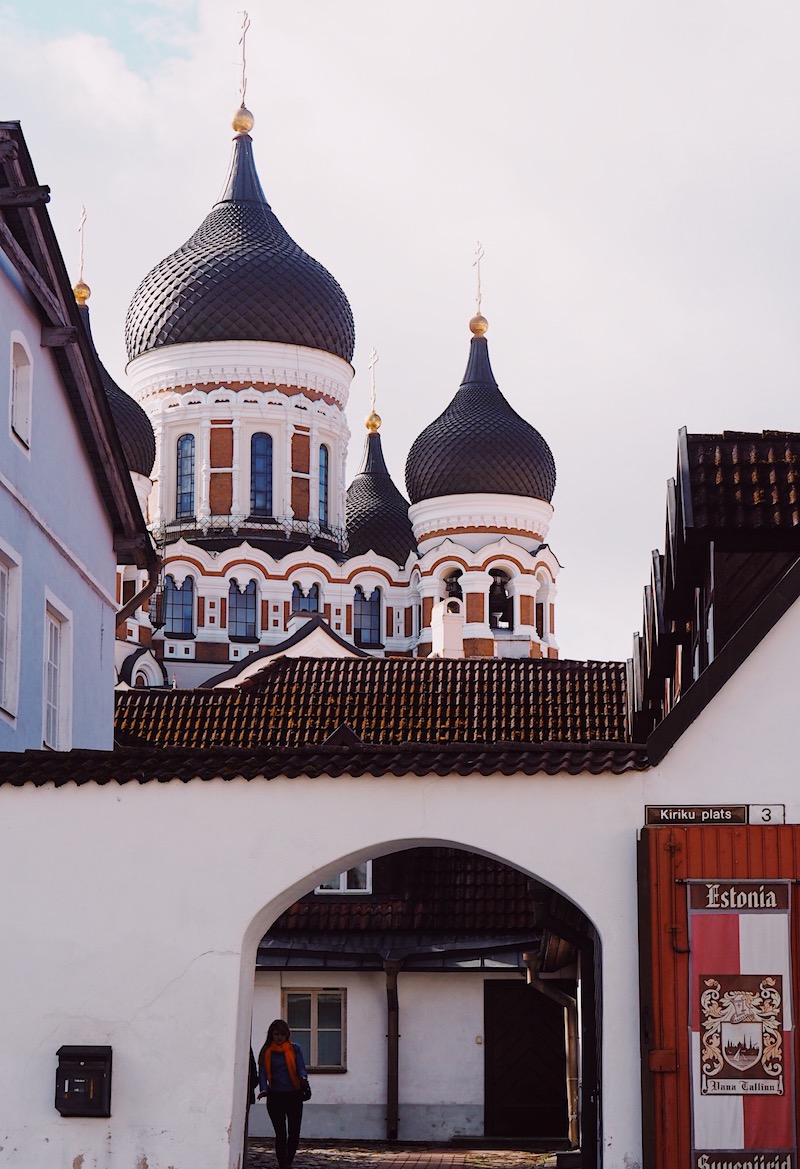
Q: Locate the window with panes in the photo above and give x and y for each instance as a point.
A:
(261, 475)
(184, 491)
(324, 460)
(367, 617)
(242, 610)
(316, 1019)
(179, 607)
(52, 680)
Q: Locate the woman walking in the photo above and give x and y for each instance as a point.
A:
(283, 1079)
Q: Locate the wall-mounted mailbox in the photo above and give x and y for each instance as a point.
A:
(83, 1081)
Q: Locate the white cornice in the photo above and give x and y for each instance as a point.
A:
(243, 362)
(476, 520)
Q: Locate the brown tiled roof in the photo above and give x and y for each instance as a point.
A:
(743, 480)
(297, 702)
(436, 889)
(146, 764)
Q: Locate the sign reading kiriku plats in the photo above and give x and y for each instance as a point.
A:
(741, 1025)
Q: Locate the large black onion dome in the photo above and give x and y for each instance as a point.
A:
(479, 445)
(376, 513)
(241, 277)
(133, 426)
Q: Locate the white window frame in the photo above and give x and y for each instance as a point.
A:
(57, 729)
(314, 993)
(10, 631)
(338, 884)
(21, 391)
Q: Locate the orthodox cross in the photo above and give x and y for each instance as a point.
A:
(373, 361)
(243, 43)
(81, 226)
(479, 254)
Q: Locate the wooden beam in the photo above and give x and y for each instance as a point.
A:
(9, 151)
(57, 337)
(31, 276)
(23, 196)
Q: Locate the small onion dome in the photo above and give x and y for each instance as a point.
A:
(376, 513)
(241, 277)
(133, 425)
(479, 445)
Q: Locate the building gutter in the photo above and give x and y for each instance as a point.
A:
(392, 1051)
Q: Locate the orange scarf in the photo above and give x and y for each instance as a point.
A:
(287, 1051)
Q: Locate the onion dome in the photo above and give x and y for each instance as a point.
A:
(376, 513)
(480, 445)
(133, 426)
(240, 277)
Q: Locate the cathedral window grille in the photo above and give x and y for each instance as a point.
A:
(242, 611)
(367, 617)
(323, 486)
(184, 495)
(261, 475)
(179, 607)
(305, 602)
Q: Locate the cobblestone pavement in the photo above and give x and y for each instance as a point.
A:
(379, 1155)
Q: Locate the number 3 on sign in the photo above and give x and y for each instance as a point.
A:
(767, 813)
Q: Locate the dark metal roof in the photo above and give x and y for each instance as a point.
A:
(377, 514)
(133, 426)
(240, 277)
(297, 702)
(480, 444)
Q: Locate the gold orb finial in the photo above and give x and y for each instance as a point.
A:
(373, 422)
(243, 120)
(478, 325)
(82, 292)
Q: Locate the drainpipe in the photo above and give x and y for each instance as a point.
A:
(392, 1051)
(570, 1006)
(130, 607)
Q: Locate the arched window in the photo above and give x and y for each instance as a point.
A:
(261, 475)
(305, 602)
(367, 617)
(324, 460)
(242, 611)
(179, 607)
(501, 603)
(184, 494)
(21, 386)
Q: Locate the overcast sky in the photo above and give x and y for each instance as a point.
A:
(631, 168)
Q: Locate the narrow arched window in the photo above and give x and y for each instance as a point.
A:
(184, 495)
(21, 386)
(324, 460)
(179, 607)
(367, 617)
(261, 475)
(305, 602)
(242, 611)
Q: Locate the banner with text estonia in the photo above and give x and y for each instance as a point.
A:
(741, 1021)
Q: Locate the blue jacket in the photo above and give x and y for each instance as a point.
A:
(281, 1081)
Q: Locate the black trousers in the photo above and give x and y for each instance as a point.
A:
(286, 1113)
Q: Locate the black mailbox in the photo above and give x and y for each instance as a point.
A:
(83, 1081)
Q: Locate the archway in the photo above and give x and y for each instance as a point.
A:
(438, 951)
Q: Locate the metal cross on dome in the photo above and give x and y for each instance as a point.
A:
(479, 254)
(243, 43)
(81, 226)
(373, 361)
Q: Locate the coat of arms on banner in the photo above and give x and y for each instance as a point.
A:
(741, 1019)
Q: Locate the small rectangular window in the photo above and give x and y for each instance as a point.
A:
(52, 680)
(21, 387)
(57, 677)
(355, 880)
(317, 1022)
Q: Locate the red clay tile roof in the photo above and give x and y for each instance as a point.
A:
(741, 480)
(298, 702)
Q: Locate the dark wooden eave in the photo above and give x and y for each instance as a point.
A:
(28, 240)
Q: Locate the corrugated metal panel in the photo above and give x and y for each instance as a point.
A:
(667, 858)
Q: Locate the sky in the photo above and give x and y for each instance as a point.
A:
(631, 169)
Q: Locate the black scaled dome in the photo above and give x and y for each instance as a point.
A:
(241, 277)
(480, 445)
(133, 426)
(377, 515)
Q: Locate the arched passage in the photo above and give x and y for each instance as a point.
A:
(437, 993)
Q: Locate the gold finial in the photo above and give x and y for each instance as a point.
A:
(478, 325)
(373, 420)
(81, 290)
(243, 120)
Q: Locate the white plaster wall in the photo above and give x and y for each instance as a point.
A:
(53, 520)
(140, 909)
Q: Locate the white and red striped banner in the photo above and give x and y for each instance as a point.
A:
(741, 1025)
